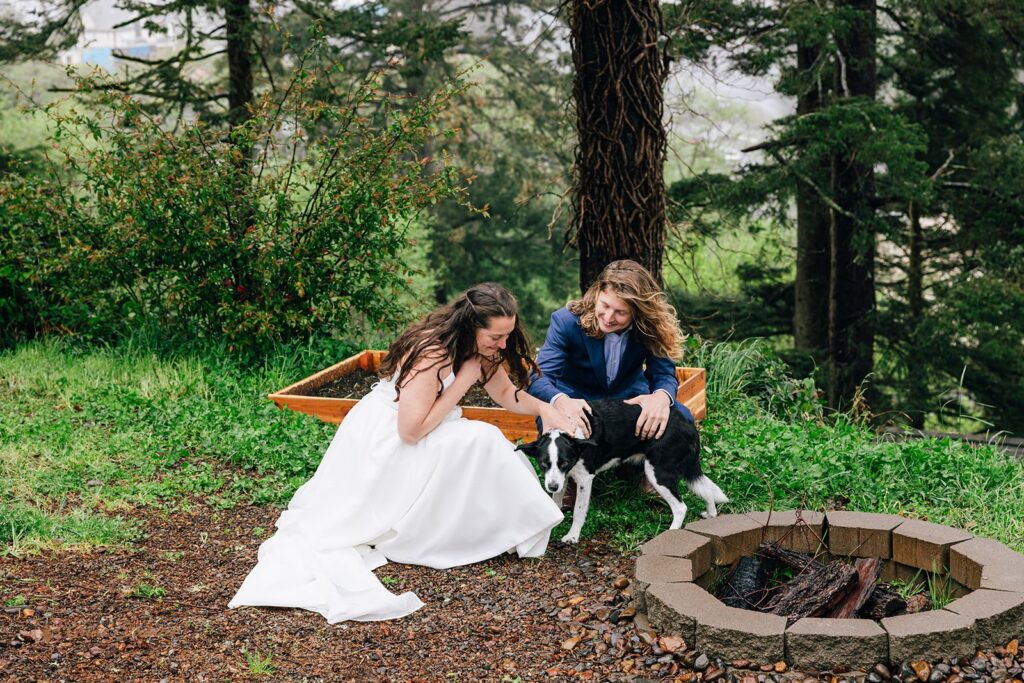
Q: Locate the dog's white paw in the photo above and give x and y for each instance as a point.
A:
(704, 515)
(571, 538)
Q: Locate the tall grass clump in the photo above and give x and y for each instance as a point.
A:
(745, 371)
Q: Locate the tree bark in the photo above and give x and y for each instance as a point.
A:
(883, 602)
(852, 286)
(813, 261)
(917, 374)
(798, 562)
(619, 192)
(744, 587)
(238, 29)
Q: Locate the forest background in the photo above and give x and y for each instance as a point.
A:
(316, 170)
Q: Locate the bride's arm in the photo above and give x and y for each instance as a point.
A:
(501, 389)
(420, 409)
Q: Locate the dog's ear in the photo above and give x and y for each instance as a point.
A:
(579, 443)
(528, 448)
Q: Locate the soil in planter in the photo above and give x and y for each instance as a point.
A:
(794, 585)
(358, 383)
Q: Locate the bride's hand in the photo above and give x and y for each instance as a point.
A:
(551, 418)
(577, 410)
(468, 374)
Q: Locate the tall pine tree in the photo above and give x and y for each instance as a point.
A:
(619, 189)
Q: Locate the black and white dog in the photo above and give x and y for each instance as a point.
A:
(673, 456)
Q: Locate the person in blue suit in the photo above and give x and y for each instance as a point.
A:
(620, 340)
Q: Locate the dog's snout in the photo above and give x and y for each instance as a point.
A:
(553, 483)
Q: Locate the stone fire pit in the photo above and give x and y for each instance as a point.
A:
(675, 569)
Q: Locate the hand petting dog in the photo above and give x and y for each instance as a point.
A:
(578, 412)
(653, 414)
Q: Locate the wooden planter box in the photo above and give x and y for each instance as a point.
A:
(514, 427)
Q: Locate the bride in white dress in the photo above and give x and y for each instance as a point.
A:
(410, 480)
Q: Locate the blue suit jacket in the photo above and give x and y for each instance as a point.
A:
(573, 363)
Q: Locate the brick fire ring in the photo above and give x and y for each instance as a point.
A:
(675, 569)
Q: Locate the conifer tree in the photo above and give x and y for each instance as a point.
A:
(619, 189)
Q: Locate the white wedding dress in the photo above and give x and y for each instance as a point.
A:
(462, 494)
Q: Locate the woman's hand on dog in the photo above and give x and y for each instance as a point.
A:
(552, 418)
(578, 412)
(654, 412)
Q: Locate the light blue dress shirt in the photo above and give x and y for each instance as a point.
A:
(613, 342)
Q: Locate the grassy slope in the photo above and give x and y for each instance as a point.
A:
(148, 429)
(86, 436)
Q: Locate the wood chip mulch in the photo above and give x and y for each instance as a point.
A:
(564, 617)
(86, 616)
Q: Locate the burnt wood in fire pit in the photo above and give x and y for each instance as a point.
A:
(834, 590)
(814, 593)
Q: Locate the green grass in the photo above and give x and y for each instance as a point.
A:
(940, 590)
(260, 664)
(89, 436)
(907, 588)
(146, 591)
(937, 585)
(768, 446)
(762, 461)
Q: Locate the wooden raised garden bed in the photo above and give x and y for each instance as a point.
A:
(514, 427)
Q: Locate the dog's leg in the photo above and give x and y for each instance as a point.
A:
(584, 484)
(711, 509)
(671, 497)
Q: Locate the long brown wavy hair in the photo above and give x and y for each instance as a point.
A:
(653, 315)
(449, 334)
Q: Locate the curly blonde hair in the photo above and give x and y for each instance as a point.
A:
(653, 316)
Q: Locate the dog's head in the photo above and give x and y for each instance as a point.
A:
(556, 453)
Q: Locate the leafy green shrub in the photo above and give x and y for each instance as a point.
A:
(292, 223)
(21, 300)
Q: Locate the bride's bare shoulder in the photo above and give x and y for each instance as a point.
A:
(433, 359)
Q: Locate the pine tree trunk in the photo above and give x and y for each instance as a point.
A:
(917, 375)
(238, 27)
(852, 290)
(810, 316)
(619, 193)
